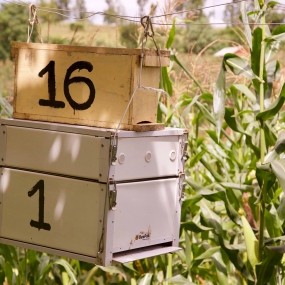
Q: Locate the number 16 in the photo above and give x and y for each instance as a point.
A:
(52, 102)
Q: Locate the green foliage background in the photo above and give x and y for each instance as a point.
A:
(232, 224)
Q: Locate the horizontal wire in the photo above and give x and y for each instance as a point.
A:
(198, 9)
(136, 19)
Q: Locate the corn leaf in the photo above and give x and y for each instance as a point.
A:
(266, 270)
(180, 279)
(171, 36)
(177, 61)
(239, 66)
(194, 227)
(69, 270)
(246, 91)
(255, 51)
(278, 168)
(251, 242)
(166, 82)
(208, 253)
(274, 108)
(247, 30)
(280, 143)
(235, 126)
(278, 34)
(273, 223)
(146, 280)
(219, 100)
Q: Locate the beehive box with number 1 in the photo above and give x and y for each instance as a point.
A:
(85, 85)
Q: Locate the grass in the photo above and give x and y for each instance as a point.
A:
(7, 79)
(87, 34)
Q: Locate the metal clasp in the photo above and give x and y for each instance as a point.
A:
(112, 194)
(182, 185)
(114, 148)
(184, 146)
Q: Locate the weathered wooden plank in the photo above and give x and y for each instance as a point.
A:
(85, 85)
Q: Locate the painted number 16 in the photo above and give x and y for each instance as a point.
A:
(68, 80)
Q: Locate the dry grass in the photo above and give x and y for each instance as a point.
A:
(7, 79)
(88, 35)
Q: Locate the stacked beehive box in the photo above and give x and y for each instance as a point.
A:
(71, 188)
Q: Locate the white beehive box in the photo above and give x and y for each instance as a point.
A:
(86, 85)
(90, 193)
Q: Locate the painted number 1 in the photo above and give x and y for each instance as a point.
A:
(40, 224)
(68, 80)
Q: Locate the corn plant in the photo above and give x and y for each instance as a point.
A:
(233, 213)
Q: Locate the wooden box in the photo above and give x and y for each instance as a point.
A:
(89, 193)
(86, 85)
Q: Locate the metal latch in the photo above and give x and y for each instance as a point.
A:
(182, 185)
(112, 195)
(184, 147)
(114, 148)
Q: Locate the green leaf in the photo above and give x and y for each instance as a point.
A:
(179, 279)
(270, 137)
(272, 4)
(235, 126)
(246, 91)
(65, 279)
(251, 242)
(280, 143)
(146, 280)
(219, 100)
(188, 250)
(278, 168)
(194, 227)
(220, 268)
(232, 122)
(274, 108)
(215, 196)
(196, 158)
(166, 82)
(208, 253)
(5, 107)
(171, 36)
(239, 66)
(68, 268)
(266, 180)
(281, 209)
(266, 270)
(238, 186)
(247, 30)
(278, 33)
(255, 54)
(177, 61)
(112, 270)
(273, 223)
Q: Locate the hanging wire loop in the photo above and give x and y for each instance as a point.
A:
(147, 25)
(33, 18)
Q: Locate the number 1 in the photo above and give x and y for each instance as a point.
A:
(51, 102)
(40, 224)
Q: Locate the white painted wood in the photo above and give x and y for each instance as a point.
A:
(130, 256)
(2, 144)
(148, 157)
(57, 152)
(77, 207)
(53, 251)
(154, 155)
(145, 214)
(73, 208)
(93, 131)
